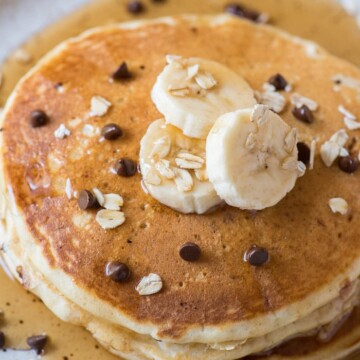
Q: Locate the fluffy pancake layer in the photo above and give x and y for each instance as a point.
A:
(314, 253)
(343, 338)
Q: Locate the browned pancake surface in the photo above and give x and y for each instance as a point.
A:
(309, 245)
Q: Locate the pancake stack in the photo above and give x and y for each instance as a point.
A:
(70, 142)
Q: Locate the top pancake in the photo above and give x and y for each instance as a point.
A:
(313, 251)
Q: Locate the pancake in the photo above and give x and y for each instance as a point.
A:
(127, 344)
(220, 299)
(342, 345)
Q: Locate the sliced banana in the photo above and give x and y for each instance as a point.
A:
(251, 158)
(192, 93)
(174, 169)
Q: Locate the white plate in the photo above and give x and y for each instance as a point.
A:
(22, 18)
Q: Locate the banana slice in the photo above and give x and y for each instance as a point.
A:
(251, 158)
(174, 169)
(192, 93)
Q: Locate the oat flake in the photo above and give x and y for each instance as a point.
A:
(68, 189)
(149, 285)
(110, 219)
(99, 106)
(339, 205)
(61, 132)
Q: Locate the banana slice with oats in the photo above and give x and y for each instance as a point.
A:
(192, 93)
(252, 159)
(173, 167)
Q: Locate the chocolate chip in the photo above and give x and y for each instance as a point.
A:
(303, 113)
(135, 7)
(37, 342)
(2, 339)
(122, 73)
(278, 81)
(241, 11)
(257, 256)
(111, 132)
(38, 118)
(117, 271)
(252, 15)
(348, 164)
(190, 252)
(235, 9)
(303, 152)
(125, 167)
(87, 200)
